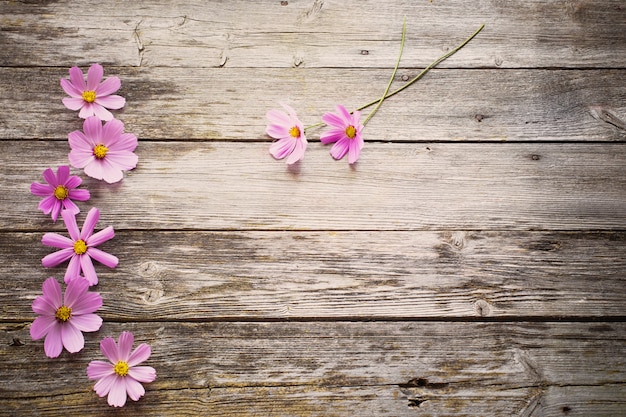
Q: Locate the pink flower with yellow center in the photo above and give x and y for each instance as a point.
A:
(80, 247)
(345, 131)
(103, 151)
(93, 97)
(288, 129)
(121, 377)
(62, 319)
(59, 192)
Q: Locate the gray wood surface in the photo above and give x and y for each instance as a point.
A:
(472, 263)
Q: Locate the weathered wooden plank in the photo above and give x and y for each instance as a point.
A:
(339, 275)
(393, 187)
(446, 105)
(531, 33)
(381, 369)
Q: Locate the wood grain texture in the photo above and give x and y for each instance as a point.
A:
(225, 186)
(339, 275)
(319, 369)
(320, 33)
(226, 105)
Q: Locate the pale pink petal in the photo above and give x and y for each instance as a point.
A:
(94, 169)
(108, 347)
(332, 119)
(41, 326)
(73, 339)
(134, 389)
(340, 148)
(283, 147)
(79, 141)
(52, 291)
(101, 113)
(140, 354)
(127, 142)
(104, 258)
(73, 103)
(55, 258)
(88, 303)
(87, 322)
(88, 270)
(93, 215)
(68, 204)
(45, 306)
(117, 395)
(57, 241)
(48, 204)
(92, 126)
(41, 190)
(71, 91)
(298, 152)
(125, 345)
(77, 78)
(53, 345)
(142, 373)
(87, 110)
(122, 160)
(111, 132)
(108, 87)
(56, 209)
(354, 151)
(110, 173)
(99, 369)
(73, 269)
(113, 102)
(79, 195)
(290, 111)
(278, 132)
(278, 117)
(332, 135)
(100, 237)
(69, 218)
(74, 291)
(104, 385)
(94, 76)
(344, 114)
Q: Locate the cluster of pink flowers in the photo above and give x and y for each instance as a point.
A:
(104, 152)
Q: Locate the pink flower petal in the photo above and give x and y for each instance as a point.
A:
(94, 76)
(53, 345)
(67, 205)
(77, 79)
(79, 195)
(99, 369)
(332, 135)
(41, 326)
(100, 237)
(127, 142)
(93, 215)
(278, 117)
(101, 113)
(113, 102)
(298, 152)
(125, 345)
(282, 148)
(50, 178)
(108, 347)
(122, 160)
(88, 303)
(104, 258)
(134, 389)
(48, 204)
(52, 291)
(87, 110)
(332, 119)
(108, 87)
(143, 374)
(111, 132)
(74, 291)
(81, 159)
(340, 148)
(88, 270)
(73, 339)
(41, 190)
(140, 354)
(92, 127)
(80, 142)
(63, 174)
(104, 385)
(110, 173)
(87, 322)
(69, 218)
(70, 90)
(73, 103)
(117, 394)
(57, 241)
(55, 258)
(73, 181)
(45, 306)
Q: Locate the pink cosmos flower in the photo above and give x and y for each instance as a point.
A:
(59, 192)
(94, 97)
(103, 151)
(63, 319)
(122, 376)
(288, 129)
(80, 247)
(345, 130)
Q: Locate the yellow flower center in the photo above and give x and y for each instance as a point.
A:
(100, 151)
(61, 192)
(350, 131)
(63, 313)
(89, 96)
(121, 368)
(295, 132)
(80, 247)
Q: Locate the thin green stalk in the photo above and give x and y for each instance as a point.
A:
(393, 75)
(425, 70)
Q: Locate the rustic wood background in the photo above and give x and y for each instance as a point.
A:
(471, 264)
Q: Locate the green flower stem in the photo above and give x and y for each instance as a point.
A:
(425, 70)
(393, 75)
